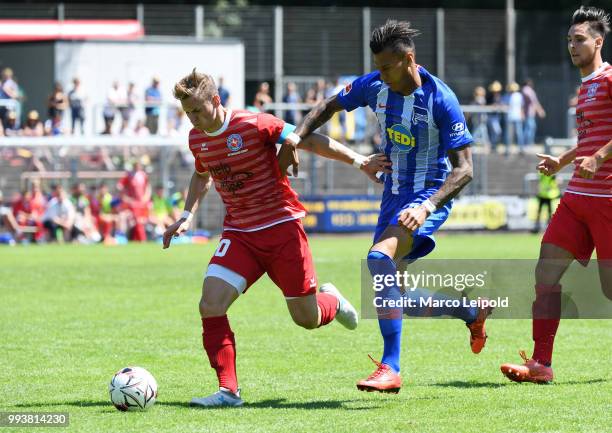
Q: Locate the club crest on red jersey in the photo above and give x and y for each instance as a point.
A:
(234, 142)
(592, 90)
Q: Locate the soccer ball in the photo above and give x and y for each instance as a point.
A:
(133, 388)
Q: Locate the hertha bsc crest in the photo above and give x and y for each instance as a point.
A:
(234, 142)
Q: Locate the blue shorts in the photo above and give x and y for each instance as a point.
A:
(424, 241)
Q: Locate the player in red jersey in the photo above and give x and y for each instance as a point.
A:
(583, 220)
(262, 231)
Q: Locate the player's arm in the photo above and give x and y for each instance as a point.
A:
(461, 174)
(590, 164)
(318, 116)
(198, 187)
(329, 148)
(550, 165)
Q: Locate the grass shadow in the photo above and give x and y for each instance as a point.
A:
(279, 403)
(463, 384)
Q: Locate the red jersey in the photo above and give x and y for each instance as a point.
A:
(134, 184)
(594, 124)
(241, 158)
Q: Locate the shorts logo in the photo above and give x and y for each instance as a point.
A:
(592, 90)
(234, 142)
(347, 89)
(401, 136)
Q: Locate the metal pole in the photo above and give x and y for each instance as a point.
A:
(367, 23)
(199, 22)
(510, 42)
(140, 14)
(440, 52)
(278, 56)
(61, 12)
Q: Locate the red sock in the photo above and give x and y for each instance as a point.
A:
(220, 347)
(546, 314)
(328, 306)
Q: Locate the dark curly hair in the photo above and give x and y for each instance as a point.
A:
(395, 35)
(598, 19)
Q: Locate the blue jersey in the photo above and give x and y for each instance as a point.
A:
(417, 130)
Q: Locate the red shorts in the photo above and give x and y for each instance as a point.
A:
(581, 223)
(281, 251)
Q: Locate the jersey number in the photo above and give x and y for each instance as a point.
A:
(224, 245)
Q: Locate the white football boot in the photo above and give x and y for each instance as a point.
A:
(347, 315)
(222, 398)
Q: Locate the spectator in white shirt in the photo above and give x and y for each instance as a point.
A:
(59, 217)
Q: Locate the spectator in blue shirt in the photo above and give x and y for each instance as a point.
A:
(153, 101)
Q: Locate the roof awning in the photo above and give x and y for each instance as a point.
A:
(37, 30)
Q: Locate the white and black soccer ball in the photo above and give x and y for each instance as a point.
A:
(133, 388)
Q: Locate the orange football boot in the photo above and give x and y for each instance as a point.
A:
(530, 371)
(478, 335)
(384, 379)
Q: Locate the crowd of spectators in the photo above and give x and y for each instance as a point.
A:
(127, 210)
(513, 116)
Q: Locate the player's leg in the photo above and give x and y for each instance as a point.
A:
(601, 230)
(231, 271)
(292, 269)
(566, 238)
(394, 241)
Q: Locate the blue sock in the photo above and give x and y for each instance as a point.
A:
(467, 314)
(390, 328)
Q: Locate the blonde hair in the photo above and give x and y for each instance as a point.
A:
(195, 84)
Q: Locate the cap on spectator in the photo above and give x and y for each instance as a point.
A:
(33, 115)
(156, 79)
(513, 87)
(495, 86)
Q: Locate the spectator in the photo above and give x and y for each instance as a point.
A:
(292, 116)
(53, 126)
(135, 193)
(161, 216)
(11, 127)
(153, 100)
(9, 229)
(1, 130)
(479, 120)
(114, 99)
(262, 97)
(127, 107)
(84, 227)
(320, 90)
(494, 100)
(548, 190)
(59, 217)
(514, 100)
(33, 126)
(224, 94)
(532, 108)
(107, 217)
(57, 102)
(9, 91)
(77, 100)
(140, 129)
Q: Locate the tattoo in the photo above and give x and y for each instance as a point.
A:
(460, 176)
(318, 116)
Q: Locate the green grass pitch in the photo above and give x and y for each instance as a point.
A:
(71, 316)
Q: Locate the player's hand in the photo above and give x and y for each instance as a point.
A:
(413, 218)
(376, 163)
(588, 166)
(175, 230)
(288, 156)
(549, 164)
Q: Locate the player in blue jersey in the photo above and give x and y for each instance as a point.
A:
(425, 137)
